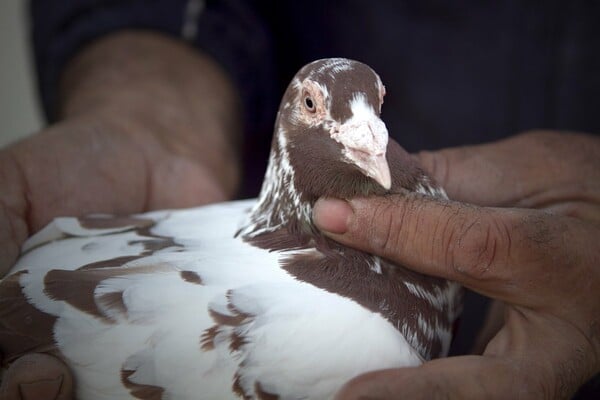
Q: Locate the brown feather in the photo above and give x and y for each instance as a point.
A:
(23, 328)
(140, 391)
(109, 222)
(78, 287)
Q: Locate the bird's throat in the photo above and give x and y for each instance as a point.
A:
(280, 205)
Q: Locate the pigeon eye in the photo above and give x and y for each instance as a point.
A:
(309, 103)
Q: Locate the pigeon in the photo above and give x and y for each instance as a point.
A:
(243, 299)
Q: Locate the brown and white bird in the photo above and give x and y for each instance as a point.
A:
(244, 299)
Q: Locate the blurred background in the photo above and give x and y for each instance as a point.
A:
(19, 109)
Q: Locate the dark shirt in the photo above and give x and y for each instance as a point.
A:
(456, 72)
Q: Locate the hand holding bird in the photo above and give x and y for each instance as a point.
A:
(208, 302)
(464, 173)
(542, 264)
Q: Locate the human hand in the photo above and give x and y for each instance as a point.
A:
(146, 124)
(544, 266)
(94, 163)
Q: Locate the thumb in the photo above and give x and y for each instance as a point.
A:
(475, 246)
(440, 238)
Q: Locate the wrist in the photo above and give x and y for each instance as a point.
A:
(166, 94)
(169, 149)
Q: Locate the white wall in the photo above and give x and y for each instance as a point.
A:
(20, 114)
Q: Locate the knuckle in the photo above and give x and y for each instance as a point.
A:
(478, 246)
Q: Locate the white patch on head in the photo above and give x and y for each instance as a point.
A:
(364, 138)
(364, 131)
(360, 107)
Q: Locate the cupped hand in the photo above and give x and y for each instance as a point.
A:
(84, 165)
(543, 263)
(92, 164)
(147, 123)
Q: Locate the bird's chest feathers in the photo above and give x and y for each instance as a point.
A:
(394, 292)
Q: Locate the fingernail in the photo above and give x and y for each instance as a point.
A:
(43, 389)
(332, 215)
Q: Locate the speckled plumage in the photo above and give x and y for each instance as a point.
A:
(243, 299)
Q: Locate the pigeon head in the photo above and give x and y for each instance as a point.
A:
(329, 141)
(329, 129)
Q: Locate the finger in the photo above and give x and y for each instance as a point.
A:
(467, 377)
(37, 377)
(587, 209)
(498, 252)
(517, 364)
(492, 323)
(515, 171)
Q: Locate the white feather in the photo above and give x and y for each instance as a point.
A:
(301, 341)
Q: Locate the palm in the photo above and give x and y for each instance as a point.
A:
(92, 165)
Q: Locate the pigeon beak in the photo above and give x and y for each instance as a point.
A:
(364, 144)
(377, 168)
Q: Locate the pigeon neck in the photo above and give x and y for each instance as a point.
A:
(279, 204)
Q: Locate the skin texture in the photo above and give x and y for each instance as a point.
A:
(525, 232)
(146, 123)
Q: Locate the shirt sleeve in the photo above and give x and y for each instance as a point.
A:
(228, 30)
